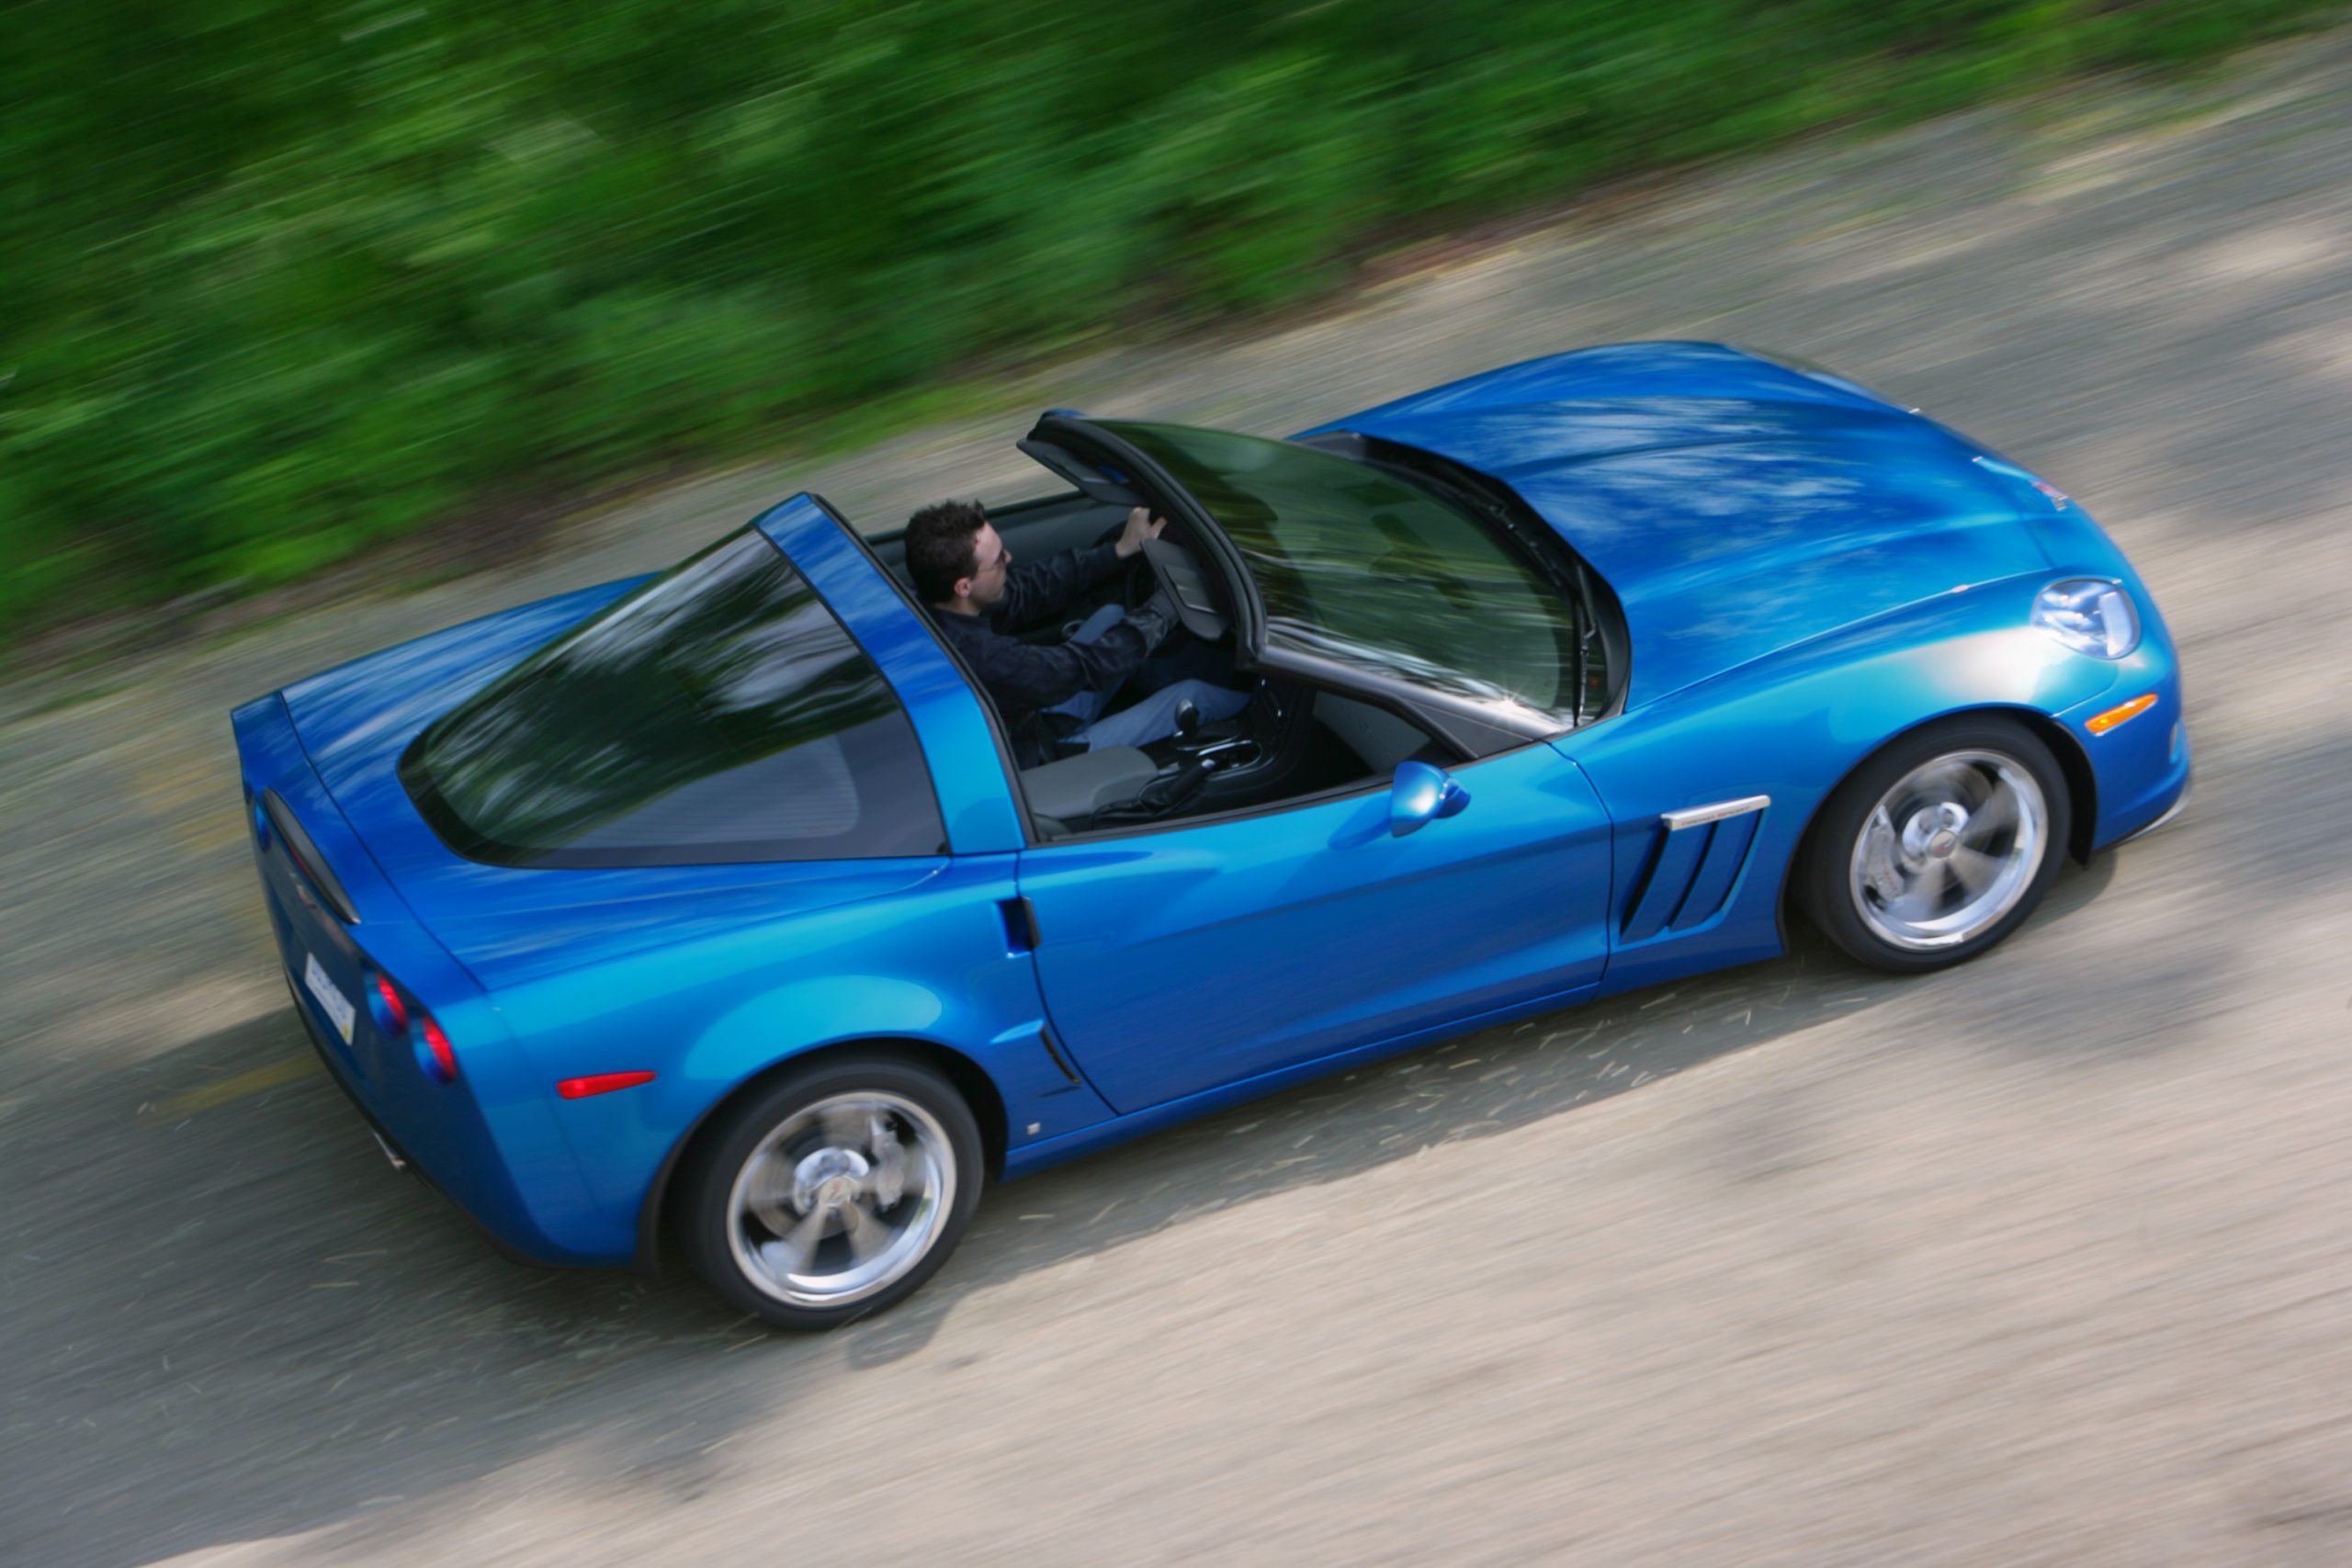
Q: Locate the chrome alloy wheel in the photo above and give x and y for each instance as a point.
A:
(841, 1199)
(1949, 850)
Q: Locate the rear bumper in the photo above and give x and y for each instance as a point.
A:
(401, 1161)
(538, 1255)
(488, 1141)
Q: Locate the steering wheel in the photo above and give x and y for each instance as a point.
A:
(1176, 570)
(1179, 572)
(1135, 587)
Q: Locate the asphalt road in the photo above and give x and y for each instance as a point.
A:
(2043, 1260)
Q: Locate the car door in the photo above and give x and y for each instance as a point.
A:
(1179, 959)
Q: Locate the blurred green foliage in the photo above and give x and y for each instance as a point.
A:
(279, 279)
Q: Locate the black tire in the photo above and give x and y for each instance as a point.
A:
(772, 1181)
(1937, 919)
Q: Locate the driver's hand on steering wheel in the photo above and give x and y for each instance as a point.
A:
(1141, 525)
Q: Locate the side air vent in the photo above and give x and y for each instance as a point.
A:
(1698, 860)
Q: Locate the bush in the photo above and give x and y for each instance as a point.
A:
(277, 280)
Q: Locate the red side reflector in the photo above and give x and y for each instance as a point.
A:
(600, 1083)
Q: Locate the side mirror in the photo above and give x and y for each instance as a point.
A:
(1422, 795)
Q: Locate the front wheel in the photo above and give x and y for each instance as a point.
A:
(1939, 847)
(834, 1192)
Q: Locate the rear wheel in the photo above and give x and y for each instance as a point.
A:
(834, 1192)
(1939, 847)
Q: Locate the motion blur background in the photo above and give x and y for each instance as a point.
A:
(279, 279)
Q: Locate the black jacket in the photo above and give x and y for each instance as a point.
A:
(1023, 678)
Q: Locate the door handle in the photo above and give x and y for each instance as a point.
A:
(1021, 934)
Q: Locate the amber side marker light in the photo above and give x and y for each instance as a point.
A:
(2113, 717)
(600, 1083)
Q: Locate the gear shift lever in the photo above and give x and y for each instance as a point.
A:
(1187, 718)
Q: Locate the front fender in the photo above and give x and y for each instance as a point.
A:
(1791, 726)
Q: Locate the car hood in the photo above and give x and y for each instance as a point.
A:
(507, 924)
(1736, 505)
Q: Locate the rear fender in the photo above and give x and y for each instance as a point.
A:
(970, 1077)
(932, 966)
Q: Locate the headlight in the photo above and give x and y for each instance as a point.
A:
(2089, 614)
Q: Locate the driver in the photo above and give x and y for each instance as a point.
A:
(1052, 694)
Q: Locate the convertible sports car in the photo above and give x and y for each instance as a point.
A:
(712, 913)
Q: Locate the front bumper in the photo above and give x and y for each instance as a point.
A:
(2142, 766)
(2172, 814)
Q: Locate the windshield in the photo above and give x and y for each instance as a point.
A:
(1360, 566)
(717, 713)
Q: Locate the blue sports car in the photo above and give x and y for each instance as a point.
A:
(716, 912)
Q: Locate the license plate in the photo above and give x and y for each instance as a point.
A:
(338, 1006)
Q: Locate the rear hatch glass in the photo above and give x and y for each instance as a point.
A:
(718, 713)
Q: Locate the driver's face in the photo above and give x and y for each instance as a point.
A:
(988, 575)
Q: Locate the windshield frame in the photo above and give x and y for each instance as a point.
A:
(1600, 617)
(1477, 727)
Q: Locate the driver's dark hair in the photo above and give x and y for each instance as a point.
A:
(940, 547)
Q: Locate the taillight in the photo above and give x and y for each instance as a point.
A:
(433, 1053)
(399, 1016)
(384, 1004)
